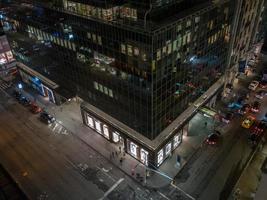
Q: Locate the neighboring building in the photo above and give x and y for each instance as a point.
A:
(143, 67)
(247, 34)
(7, 61)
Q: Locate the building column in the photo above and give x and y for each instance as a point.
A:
(185, 129)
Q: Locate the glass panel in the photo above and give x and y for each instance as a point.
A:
(106, 132)
(144, 156)
(133, 149)
(90, 121)
(116, 137)
(98, 127)
(160, 157)
(168, 148)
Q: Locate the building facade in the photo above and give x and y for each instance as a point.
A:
(247, 35)
(141, 66)
(7, 61)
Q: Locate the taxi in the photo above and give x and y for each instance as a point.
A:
(248, 122)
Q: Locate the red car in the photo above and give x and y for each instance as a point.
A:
(263, 84)
(35, 108)
(212, 139)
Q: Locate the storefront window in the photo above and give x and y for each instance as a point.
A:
(144, 156)
(106, 133)
(160, 157)
(168, 148)
(98, 127)
(90, 121)
(133, 149)
(116, 137)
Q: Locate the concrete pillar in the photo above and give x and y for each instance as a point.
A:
(185, 129)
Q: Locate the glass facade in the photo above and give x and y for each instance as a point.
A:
(141, 63)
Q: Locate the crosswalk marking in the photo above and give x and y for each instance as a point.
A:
(58, 128)
(4, 85)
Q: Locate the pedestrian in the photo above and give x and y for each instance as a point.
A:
(124, 153)
(112, 154)
(206, 124)
(116, 153)
(120, 161)
(120, 149)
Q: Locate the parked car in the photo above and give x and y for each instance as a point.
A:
(255, 106)
(248, 122)
(253, 85)
(234, 105)
(263, 84)
(245, 109)
(227, 117)
(35, 48)
(212, 139)
(17, 94)
(47, 118)
(35, 108)
(24, 101)
(260, 94)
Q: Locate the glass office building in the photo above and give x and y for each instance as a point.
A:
(138, 64)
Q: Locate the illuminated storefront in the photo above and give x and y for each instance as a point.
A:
(42, 85)
(129, 145)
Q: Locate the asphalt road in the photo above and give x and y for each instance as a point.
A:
(213, 171)
(49, 162)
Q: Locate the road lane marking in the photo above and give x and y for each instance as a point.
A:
(185, 193)
(112, 188)
(164, 196)
(106, 173)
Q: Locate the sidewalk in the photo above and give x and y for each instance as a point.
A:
(68, 115)
(249, 181)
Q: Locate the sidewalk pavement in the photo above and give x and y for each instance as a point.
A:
(249, 181)
(68, 115)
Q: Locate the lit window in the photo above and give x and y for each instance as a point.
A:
(169, 48)
(164, 50)
(158, 54)
(160, 157)
(174, 45)
(129, 50)
(144, 57)
(197, 19)
(94, 37)
(179, 27)
(100, 87)
(106, 132)
(133, 149)
(106, 90)
(168, 148)
(116, 137)
(90, 121)
(136, 51)
(144, 156)
(99, 40)
(188, 37)
(73, 46)
(89, 35)
(177, 140)
(123, 48)
(110, 93)
(188, 23)
(96, 85)
(98, 127)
